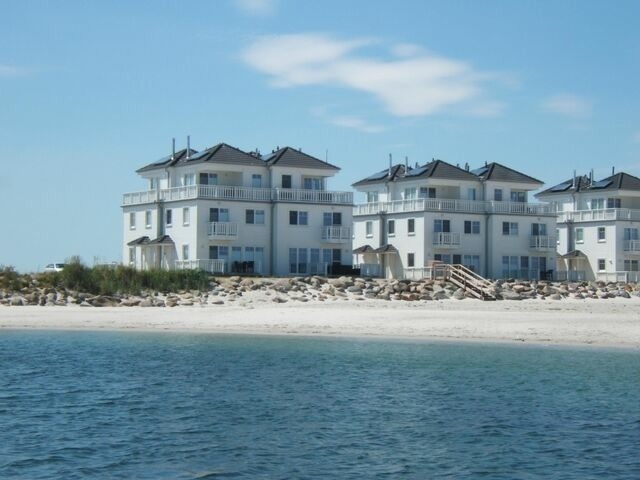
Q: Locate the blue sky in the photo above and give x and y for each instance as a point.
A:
(90, 91)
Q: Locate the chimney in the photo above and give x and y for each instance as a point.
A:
(574, 179)
(173, 148)
(613, 171)
(591, 177)
(390, 163)
(188, 146)
(466, 166)
(406, 164)
(485, 163)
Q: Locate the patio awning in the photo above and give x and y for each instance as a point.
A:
(386, 249)
(364, 249)
(139, 241)
(163, 240)
(573, 254)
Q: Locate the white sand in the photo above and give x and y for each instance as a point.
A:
(612, 322)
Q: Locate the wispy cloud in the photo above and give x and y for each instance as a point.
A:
(356, 123)
(569, 105)
(412, 82)
(12, 71)
(256, 7)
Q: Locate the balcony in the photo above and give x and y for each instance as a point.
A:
(312, 196)
(336, 234)
(632, 246)
(599, 215)
(211, 266)
(228, 192)
(454, 206)
(446, 240)
(222, 230)
(542, 242)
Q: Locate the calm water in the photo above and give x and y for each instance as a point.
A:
(132, 405)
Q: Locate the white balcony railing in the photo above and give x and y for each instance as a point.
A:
(599, 215)
(229, 192)
(312, 196)
(454, 206)
(223, 230)
(370, 270)
(632, 246)
(570, 276)
(336, 234)
(446, 239)
(211, 266)
(542, 242)
(624, 276)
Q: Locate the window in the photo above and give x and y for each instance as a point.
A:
(597, 203)
(471, 193)
(509, 228)
(372, 197)
(497, 194)
(557, 236)
(472, 262)
(409, 193)
(254, 217)
(286, 181)
(410, 259)
(411, 226)
(539, 229)
(331, 219)
(132, 256)
(442, 257)
(153, 184)
(312, 183)
(602, 264)
(132, 220)
(208, 179)
(185, 252)
(218, 214)
(472, 227)
(188, 179)
(613, 203)
(427, 192)
(518, 196)
(391, 227)
(147, 219)
(602, 234)
(298, 218)
(631, 265)
(256, 180)
(298, 260)
(368, 226)
(579, 235)
(186, 216)
(630, 234)
(442, 226)
(168, 217)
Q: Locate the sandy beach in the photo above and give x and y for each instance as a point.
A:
(611, 323)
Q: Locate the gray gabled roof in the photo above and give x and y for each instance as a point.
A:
(619, 181)
(290, 157)
(386, 175)
(168, 161)
(434, 169)
(499, 173)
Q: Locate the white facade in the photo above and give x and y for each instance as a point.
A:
(598, 226)
(229, 211)
(439, 212)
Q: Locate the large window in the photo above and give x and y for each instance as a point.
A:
(631, 265)
(471, 193)
(254, 217)
(256, 180)
(613, 202)
(218, 214)
(147, 219)
(188, 179)
(497, 194)
(314, 183)
(298, 217)
(630, 234)
(510, 228)
(132, 220)
(427, 192)
(286, 181)
(186, 216)
(597, 203)
(391, 227)
(518, 196)
(472, 262)
(411, 260)
(538, 229)
(372, 197)
(411, 226)
(602, 234)
(579, 235)
(472, 227)
(331, 219)
(208, 179)
(409, 193)
(441, 225)
(168, 217)
(368, 226)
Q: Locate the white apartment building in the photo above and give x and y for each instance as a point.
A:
(440, 212)
(597, 226)
(229, 211)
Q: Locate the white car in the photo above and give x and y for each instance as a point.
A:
(54, 267)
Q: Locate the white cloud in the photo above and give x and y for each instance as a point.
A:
(569, 105)
(11, 71)
(356, 123)
(414, 83)
(255, 7)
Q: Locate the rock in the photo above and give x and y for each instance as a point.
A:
(279, 300)
(146, 303)
(555, 296)
(510, 295)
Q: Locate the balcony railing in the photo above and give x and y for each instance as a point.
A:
(624, 276)
(632, 246)
(571, 276)
(542, 242)
(370, 269)
(223, 230)
(211, 266)
(228, 192)
(599, 215)
(446, 239)
(336, 234)
(522, 273)
(454, 206)
(312, 196)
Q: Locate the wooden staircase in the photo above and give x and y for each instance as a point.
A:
(470, 281)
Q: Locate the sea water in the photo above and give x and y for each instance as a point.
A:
(184, 406)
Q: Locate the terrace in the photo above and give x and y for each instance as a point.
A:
(454, 206)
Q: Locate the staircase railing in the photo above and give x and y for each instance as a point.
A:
(470, 281)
